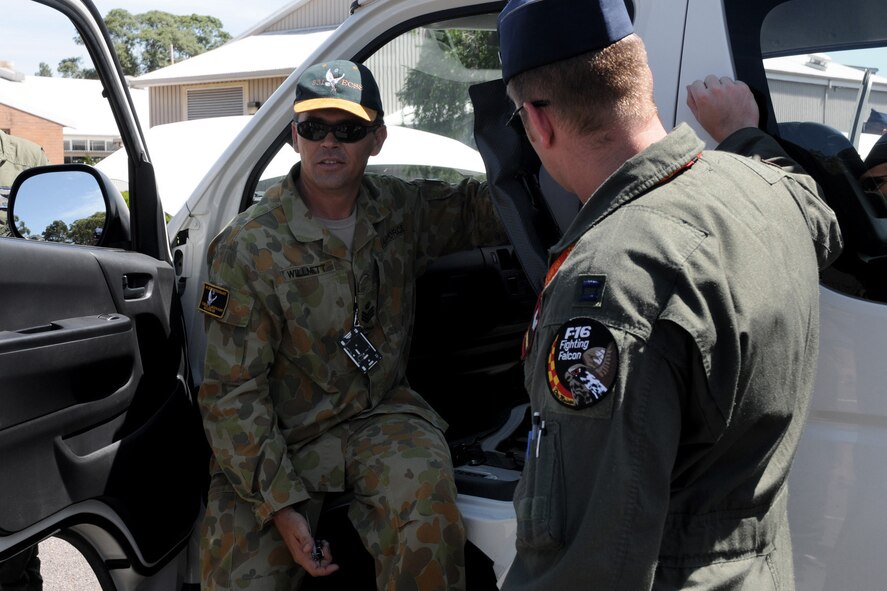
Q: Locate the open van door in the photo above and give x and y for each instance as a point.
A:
(99, 434)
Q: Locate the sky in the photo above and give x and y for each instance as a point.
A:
(27, 37)
(871, 58)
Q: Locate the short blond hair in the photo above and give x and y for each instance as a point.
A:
(596, 89)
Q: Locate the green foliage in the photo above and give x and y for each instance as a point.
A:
(477, 50)
(57, 231)
(71, 68)
(124, 33)
(155, 39)
(83, 231)
(437, 89)
(44, 71)
(21, 228)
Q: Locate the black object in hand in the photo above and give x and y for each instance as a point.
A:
(317, 553)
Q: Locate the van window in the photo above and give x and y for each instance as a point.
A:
(424, 75)
(824, 66)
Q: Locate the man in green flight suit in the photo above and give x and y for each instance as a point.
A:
(672, 355)
(310, 304)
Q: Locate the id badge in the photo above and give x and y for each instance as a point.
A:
(360, 349)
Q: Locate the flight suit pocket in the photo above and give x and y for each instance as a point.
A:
(539, 499)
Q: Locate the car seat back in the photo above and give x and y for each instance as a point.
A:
(829, 157)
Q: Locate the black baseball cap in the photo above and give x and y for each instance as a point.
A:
(339, 84)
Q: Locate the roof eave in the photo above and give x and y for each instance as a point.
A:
(211, 78)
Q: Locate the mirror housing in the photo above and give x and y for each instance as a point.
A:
(70, 203)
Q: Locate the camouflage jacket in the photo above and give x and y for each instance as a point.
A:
(282, 291)
(16, 154)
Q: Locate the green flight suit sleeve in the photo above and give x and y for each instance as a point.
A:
(238, 413)
(756, 144)
(824, 230)
(456, 217)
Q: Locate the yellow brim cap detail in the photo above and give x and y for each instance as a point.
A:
(334, 103)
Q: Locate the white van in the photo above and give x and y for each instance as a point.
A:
(101, 345)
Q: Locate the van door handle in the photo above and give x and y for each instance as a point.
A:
(135, 286)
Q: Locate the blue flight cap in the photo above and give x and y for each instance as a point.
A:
(878, 117)
(878, 154)
(534, 33)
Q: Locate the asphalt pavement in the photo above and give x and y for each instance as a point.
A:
(64, 569)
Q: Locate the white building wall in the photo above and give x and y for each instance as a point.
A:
(833, 104)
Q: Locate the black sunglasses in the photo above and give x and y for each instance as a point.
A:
(515, 120)
(873, 183)
(347, 132)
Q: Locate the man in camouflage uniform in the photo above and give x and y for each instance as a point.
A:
(310, 304)
(16, 154)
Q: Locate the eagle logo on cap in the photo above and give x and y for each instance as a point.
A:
(332, 79)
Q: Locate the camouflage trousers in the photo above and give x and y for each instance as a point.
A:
(404, 510)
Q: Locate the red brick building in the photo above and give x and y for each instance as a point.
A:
(43, 132)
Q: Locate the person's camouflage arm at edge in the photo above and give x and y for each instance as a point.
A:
(454, 218)
(235, 390)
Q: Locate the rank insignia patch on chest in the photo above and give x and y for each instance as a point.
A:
(590, 289)
(214, 300)
(582, 363)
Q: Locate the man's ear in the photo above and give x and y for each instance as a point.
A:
(295, 137)
(540, 127)
(379, 137)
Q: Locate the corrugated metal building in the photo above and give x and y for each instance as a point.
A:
(237, 78)
(814, 88)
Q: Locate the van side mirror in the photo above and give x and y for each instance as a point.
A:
(68, 203)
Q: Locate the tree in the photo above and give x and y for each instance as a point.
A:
(437, 89)
(21, 228)
(83, 231)
(124, 29)
(70, 68)
(57, 231)
(151, 40)
(45, 71)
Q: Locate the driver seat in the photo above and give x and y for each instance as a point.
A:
(829, 157)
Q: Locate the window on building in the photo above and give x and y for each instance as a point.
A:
(218, 101)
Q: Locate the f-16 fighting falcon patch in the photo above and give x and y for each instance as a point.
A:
(582, 363)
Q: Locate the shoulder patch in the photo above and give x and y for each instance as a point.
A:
(582, 363)
(214, 300)
(590, 289)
